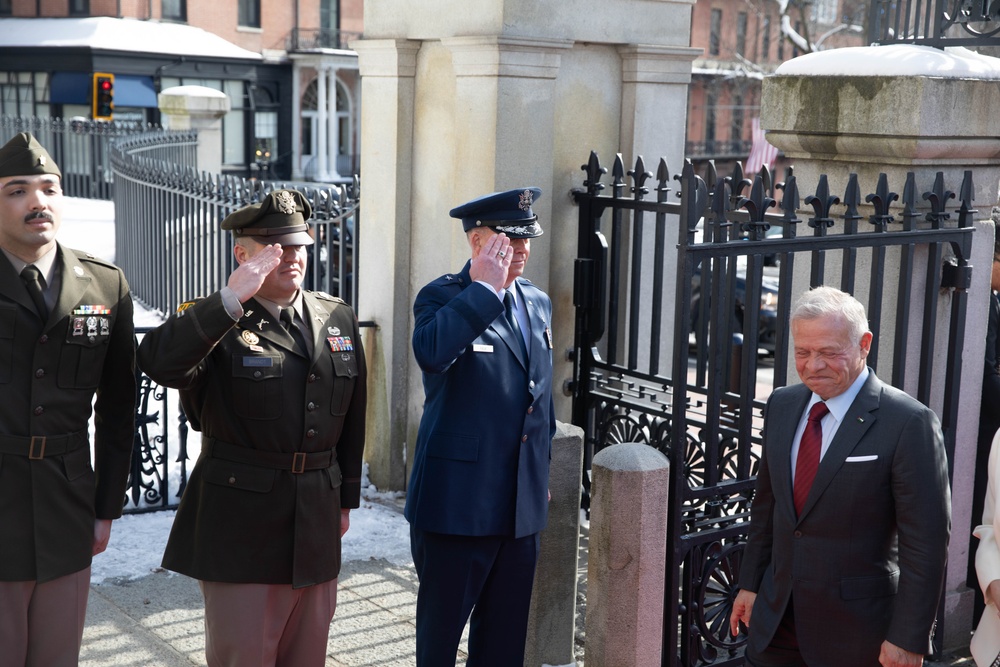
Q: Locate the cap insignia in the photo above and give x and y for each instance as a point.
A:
(526, 198)
(285, 201)
(41, 160)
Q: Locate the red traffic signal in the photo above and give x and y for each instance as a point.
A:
(103, 96)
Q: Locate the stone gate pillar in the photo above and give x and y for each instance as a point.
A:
(899, 109)
(463, 99)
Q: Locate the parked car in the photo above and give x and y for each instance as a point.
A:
(767, 317)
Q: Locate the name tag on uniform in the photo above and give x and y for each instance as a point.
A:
(481, 348)
(253, 362)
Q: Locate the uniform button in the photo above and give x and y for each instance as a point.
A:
(232, 479)
(310, 406)
(524, 438)
(40, 373)
(798, 533)
(531, 384)
(38, 410)
(531, 409)
(311, 433)
(257, 374)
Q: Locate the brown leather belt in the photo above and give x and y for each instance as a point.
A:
(297, 462)
(37, 447)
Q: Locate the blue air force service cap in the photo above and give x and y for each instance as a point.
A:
(280, 218)
(24, 156)
(508, 212)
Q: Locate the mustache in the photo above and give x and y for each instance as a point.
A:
(39, 214)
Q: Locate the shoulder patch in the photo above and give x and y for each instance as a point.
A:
(184, 306)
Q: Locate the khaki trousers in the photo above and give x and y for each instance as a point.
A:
(265, 625)
(41, 625)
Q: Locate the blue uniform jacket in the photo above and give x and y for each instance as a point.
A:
(482, 455)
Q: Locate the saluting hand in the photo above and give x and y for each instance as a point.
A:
(249, 276)
(492, 262)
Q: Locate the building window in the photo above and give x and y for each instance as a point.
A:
(79, 7)
(329, 15)
(716, 32)
(249, 13)
(741, 33)
(781, 45)
(710, 102)
(765, 39)
(736, 130)
(5, 8)
(798, 31)
(175, 10)
(825, 11)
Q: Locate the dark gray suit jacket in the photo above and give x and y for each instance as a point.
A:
(865, 561)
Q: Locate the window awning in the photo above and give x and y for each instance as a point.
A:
(130, 90)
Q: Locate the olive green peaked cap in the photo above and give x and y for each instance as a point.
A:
(24, 156)
(279, 218)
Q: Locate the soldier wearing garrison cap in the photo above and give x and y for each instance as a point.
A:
(478, 494)
(274, 378)
(67, 318)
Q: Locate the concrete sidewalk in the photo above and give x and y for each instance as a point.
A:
(157, 620)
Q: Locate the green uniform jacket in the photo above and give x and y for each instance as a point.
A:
(246, 516)
(49, 376)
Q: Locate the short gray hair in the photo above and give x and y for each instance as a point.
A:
(826, 301)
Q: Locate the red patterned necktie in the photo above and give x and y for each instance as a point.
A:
(808, 459)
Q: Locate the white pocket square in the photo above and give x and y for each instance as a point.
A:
(861, 459)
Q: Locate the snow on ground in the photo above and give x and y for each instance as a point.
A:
(378, 529)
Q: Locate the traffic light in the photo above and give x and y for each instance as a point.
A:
(103, 96)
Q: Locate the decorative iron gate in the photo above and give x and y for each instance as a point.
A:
(732, 293)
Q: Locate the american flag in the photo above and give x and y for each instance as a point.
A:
(761, 153)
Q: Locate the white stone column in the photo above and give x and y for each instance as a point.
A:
(296, 121)
(333, 125)
(385, 292)
(322, 144)
(197, 108)
(935, 116)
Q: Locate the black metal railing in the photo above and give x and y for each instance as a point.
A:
(308, 39)
(167, 219)
(735, 149)
(80, 147)
(937, 23)
(697, 392)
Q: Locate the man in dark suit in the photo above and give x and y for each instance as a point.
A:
(478, 494)
(274, 378)
(66, 335)
(850, 520)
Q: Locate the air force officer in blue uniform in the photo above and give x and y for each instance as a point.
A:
(478, 494)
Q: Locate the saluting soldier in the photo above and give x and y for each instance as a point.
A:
(65, 335)
(274, 378)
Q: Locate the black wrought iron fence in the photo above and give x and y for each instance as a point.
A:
(937, 23)
(699, 400)
(79, 146)
(167, 216)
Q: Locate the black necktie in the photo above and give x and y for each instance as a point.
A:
(508, 311)
(32, 278)
(287, 315)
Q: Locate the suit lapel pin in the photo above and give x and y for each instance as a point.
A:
(248, 313)
(260, 325)
(861, 420)
(78, 270)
